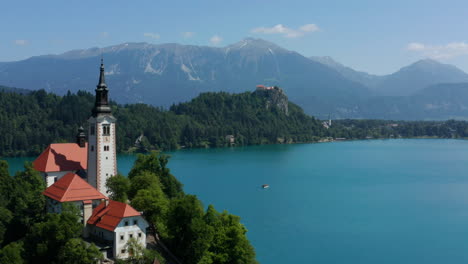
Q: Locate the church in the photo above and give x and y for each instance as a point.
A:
(76, 173)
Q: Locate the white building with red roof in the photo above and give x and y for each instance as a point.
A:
(107, 221)
(76, 173)
(115, 222)
(71, 188)
(59, 159)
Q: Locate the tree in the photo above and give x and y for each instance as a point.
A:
(26, 202)
(136, 251)
(5, 183)
(5, 218)
(144, 180)
(11, 253)
(155, 163)
(47, 238)
(229, 243)
(119, 186)
(237, 246)
(77, 251)
(185, 228)
(155, 207)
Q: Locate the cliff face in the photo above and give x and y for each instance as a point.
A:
(275, 96)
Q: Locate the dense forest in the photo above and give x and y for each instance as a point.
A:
(30, 121)
(373, 129)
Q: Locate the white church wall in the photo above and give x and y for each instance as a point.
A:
(101, 153)
(52, 177)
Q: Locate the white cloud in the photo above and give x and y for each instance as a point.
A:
(151, 35)
(21, 42)
(447, 51)
(309, 28)
(287, 32)
(188, 34)
(415, 46)
(215, 40)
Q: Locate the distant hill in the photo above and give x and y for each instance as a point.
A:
(419, 75)
(170, 73)
(406, 81)
(260, 117)
(369, 80)
(13, 90)
(436, 102)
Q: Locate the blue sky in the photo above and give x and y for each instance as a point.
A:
(374, 36)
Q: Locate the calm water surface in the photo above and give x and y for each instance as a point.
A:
(382, 201)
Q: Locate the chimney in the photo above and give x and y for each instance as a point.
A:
(87, 212)
(81, 138)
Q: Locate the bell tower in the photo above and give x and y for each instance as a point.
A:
(102, 160)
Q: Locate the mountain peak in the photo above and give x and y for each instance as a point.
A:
(254, 43)
(427, 61)
(430, 65)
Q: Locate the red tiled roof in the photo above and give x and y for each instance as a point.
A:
(109, 217)
(62, 157)
(72, 187)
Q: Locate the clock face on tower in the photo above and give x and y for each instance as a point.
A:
(106, 139)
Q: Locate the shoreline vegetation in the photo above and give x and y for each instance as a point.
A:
(31, 121)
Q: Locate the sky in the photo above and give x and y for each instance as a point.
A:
(376, 36)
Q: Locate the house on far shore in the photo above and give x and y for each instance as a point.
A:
(116, 223)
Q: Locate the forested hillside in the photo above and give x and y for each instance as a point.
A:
(29, 122)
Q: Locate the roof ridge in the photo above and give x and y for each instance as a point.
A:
(48, 154)
(71, 182)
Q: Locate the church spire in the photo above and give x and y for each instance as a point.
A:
(102, 78)
(101, 106)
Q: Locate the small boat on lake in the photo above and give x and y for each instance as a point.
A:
(265, 186)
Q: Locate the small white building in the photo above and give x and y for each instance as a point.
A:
(116, 223)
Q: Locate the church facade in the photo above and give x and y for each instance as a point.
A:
(102, 157)
(95, 160)
(76, 173)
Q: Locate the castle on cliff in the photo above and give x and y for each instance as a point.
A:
(77, 172)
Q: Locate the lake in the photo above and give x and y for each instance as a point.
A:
(379, 201)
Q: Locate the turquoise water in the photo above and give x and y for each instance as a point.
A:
(381, 201)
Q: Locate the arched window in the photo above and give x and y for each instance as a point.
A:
(106, 129)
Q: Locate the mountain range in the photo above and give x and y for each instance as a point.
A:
(164, 74)
(406, 81)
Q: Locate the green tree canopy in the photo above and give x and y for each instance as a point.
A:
(119, 186)
(77, 251)
(46, 239)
